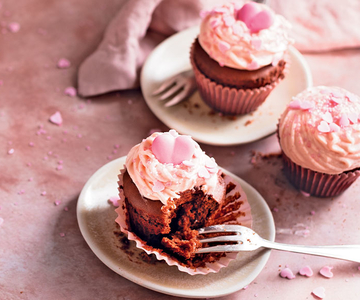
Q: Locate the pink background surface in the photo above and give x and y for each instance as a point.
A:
(42, 252)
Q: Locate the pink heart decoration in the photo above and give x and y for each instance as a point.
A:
(306, 271)
(326, 272)
(323, 127)
(56, 118)
(287, 273)
(168, 148)
(319, 292)
(254, 17)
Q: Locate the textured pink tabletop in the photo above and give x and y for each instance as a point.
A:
(44, 166)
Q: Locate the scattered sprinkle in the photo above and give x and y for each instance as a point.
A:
(66, 208)
(326, 272)
(56, 118)
(306, 271)
(11, 151)
(158, 186)
(88, 148)
(14, 27)
(70, 91)
(287, 273)
(114, 200)
(63, 63)
(57, 202)
(43, 193)
(319, 292)
(31, 144)
(62, 234)
(59, 167)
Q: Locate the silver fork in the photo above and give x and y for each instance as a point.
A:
(177, 88)
(247, 240)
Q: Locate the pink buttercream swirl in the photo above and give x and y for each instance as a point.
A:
(320, 130)
(230, 41)
(164, 181)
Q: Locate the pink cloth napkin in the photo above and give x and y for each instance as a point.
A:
(318, 25)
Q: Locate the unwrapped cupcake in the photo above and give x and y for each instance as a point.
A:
(239, 56)
(319, 134)
(168, 189)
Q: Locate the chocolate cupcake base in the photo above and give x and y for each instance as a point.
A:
(318, 184)
(231, 100)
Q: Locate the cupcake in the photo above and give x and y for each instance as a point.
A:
(168, 189)
(319, 134)
(239, 56)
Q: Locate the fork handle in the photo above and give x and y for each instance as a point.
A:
(346, 252)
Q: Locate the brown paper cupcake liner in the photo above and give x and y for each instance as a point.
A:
(243, 217)
(318, 184)
(231, 101)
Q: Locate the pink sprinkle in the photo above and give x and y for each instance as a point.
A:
(228, 21)
(256, 43)
(29, 164)
(56, 118)
(294, 104)
(87, 148)
(30, 179)
(327, 117)
(63, 63)
(48, 137)
(59, 167)
(79, 135)
(306, 105)
(312, 212)
(11, 151)
(116, 146)
(57, 202)
(21, 192)
(43, 193)
(66, 208)
(287, 273)
(353, 117)
(31, 144)
(70, 91)
(334, 127)
(253, 65)
(326, 272)
(223, 46)
(46, 158)
(60, 162)
(114, 201)
(324, 127)
(245, 287)
(319, 292)
(237, 29)
(306, 271)
(1, 221)
(344, 120)
(62, 234)
(158, 186)
(203, 172)
(275, 209)
(14, 27)
(214, 23)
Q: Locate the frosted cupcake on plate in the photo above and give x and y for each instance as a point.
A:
(240, 56)
(169, 188)
(319, 134)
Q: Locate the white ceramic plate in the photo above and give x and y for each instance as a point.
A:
(96, 218)
(195, 118)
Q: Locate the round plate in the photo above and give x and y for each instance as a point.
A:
(195, 118)
(96, 218)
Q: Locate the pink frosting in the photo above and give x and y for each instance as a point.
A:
(163, 181)
(244, 42)
(320, 130)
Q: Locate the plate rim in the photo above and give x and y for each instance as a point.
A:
(167, 121)
(188, 293)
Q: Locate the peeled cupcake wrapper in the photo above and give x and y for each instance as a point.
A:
(318, 184)
(231, 101)
(244, 219)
